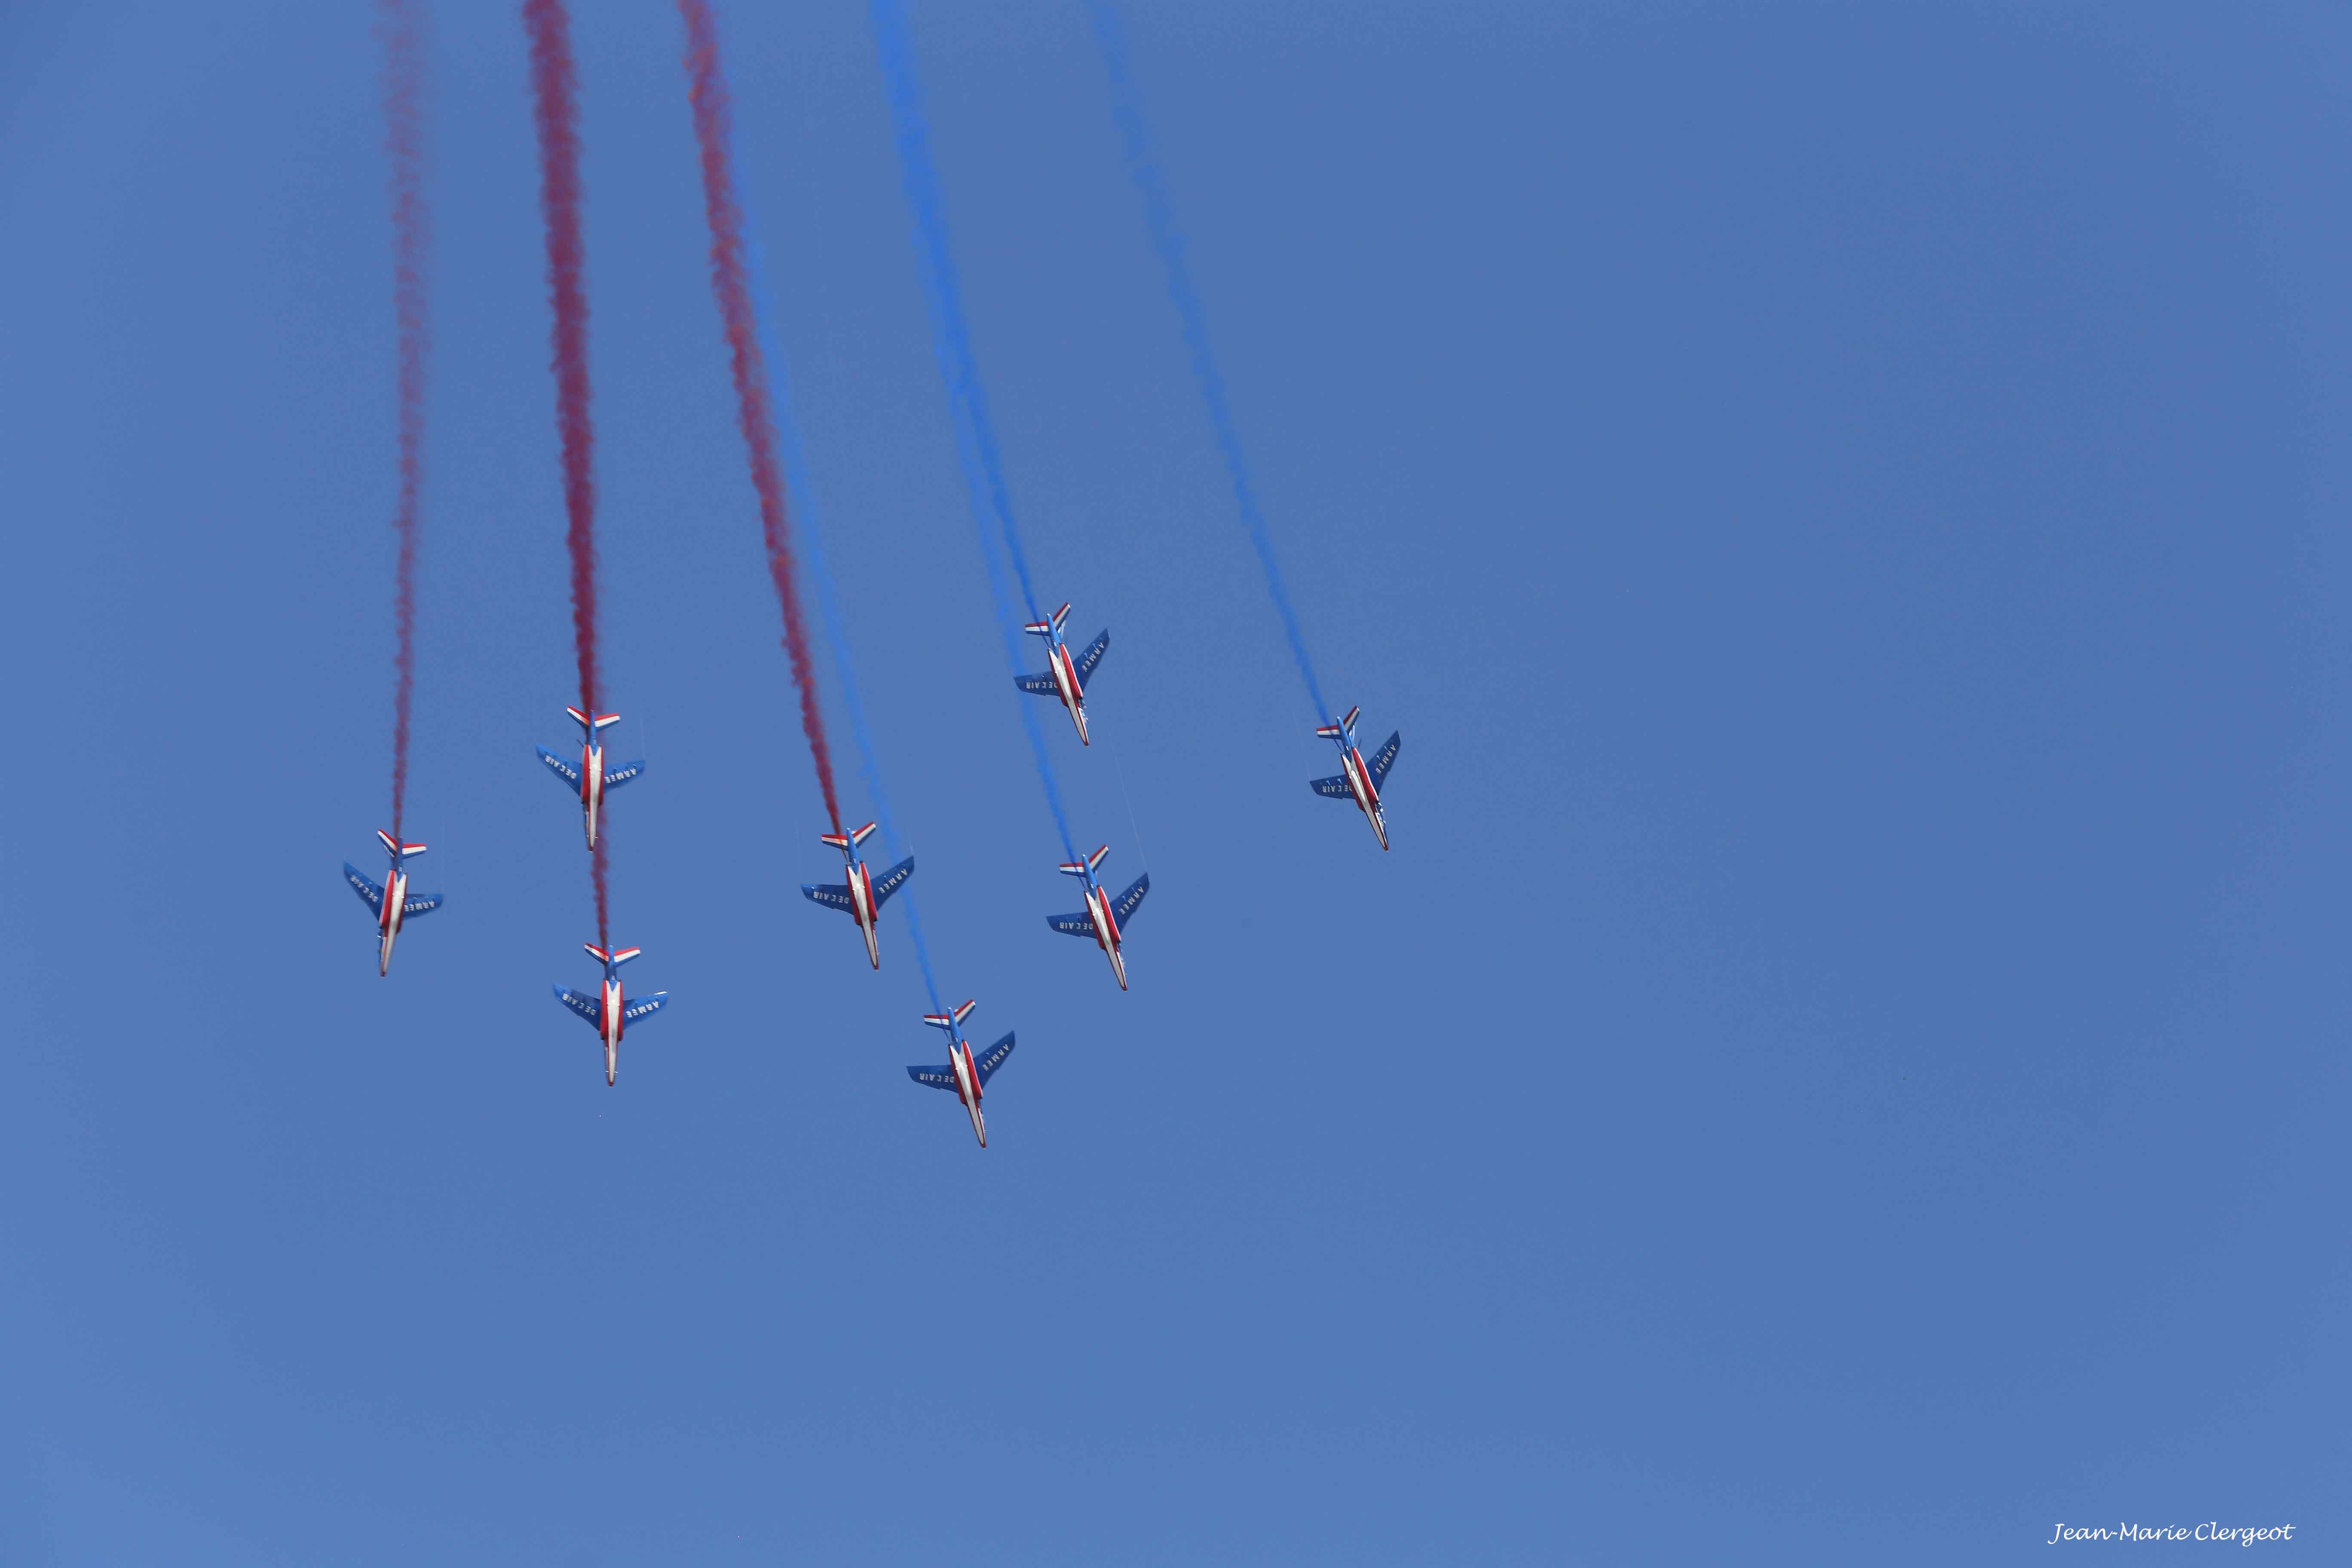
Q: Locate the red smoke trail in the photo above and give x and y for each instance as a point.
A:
(556, 111)
(411, 235)
(714, 130)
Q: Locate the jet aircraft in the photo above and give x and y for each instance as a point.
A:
(861, 898)
(609, 1012)
(589, 779)
(1064, 677)
(1103, 916)
(393, 902)
(1360, 780)
(964, 1073)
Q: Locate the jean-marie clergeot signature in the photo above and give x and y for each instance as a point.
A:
(2211, 1530)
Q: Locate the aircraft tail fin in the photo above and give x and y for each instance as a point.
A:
(1081, 867)
(1049, 625)
(589, 726)
(1339, 732)
(949, 1020)
(399, 851)
(850, 840)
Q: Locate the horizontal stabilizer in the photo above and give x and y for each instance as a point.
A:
(1339, 732)
(1384, 758)
(370, 894)
(1336, 787)
(586, 1006)
(893, 879)
(562, 769)
(993, 1058)
(1093, 656)
(399, 851)
(1047, 628)
(1123, 907)
(645, 1006)
(420, 904)
(590, 726)
(832, 895)
(938, 1077)
(1038, 685)
(1081, 867)
(616, 777)
(849, 840)
(949, 1020)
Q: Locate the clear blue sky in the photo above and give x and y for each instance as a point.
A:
(1845, 1062)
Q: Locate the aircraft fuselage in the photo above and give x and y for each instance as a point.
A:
(862, 909)
(396, 900)
(1106, 934)
(1368, 798)
(1065, 683)
(609, 1019)
(967, 1076)
(592, 786)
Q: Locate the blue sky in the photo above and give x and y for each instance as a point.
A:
(1845, 1062)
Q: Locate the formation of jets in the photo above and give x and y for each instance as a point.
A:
(861, 895)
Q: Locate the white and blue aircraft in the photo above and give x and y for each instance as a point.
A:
(609, 1011)
(861, 898)
(1065, 678)
(965, 1074)
(590, 778)
(393, 902)
(1358, 780)
(1104, 917)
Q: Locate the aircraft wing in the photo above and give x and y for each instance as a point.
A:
(645, 1006)
(1384, 758)
(1079, 924)
(422, 904)
(1038, 685)
(993, 1058)
(563, 770)
(938, 1077)
(370, 894)
(616, 777)
(586, 1006)
(832, 895)
(1123, 910)
(1092, 657)
(1336, 787)
(892, 880)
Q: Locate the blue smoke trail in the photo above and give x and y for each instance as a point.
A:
(828, 594)
(976, 450)
(1187, 301)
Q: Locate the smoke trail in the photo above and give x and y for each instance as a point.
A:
(556, 112)
(836, 630)
(1170, 243)
(403, 78)
(976, 451)
(714, 132)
